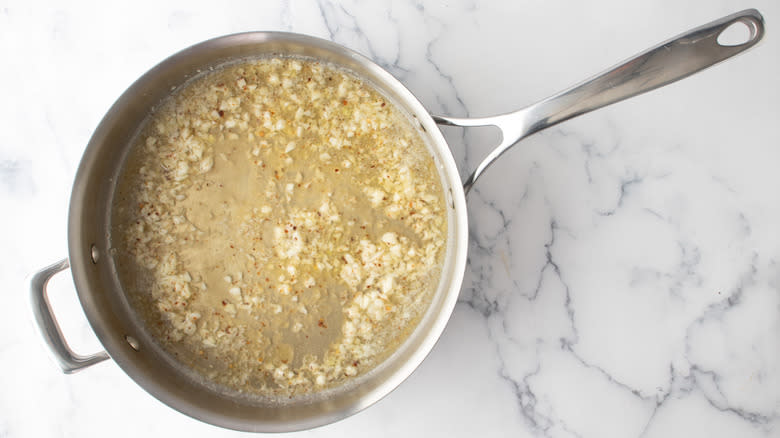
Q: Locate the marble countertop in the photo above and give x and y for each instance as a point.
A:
(624, 267)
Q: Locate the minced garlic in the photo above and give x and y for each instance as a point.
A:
(279, 226)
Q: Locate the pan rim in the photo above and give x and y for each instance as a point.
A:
(80, 256)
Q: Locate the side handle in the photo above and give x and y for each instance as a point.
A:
(69, 361)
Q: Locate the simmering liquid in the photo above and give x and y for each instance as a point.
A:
(279, 226)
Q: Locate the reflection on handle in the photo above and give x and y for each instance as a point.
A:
(69, 361)
(663, 64)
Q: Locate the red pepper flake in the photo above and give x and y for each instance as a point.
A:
(321, 323)
(383, 104)
(221, 113)
(344, 102)
(335, 170)
(224, 303)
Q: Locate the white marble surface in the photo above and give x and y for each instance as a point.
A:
(624, 268)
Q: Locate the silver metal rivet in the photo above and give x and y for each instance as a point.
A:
(133, 342)
(94, 253)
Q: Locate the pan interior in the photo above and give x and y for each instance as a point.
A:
(278, 226)
(107, 307)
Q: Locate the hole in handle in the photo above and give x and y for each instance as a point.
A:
(737, 34)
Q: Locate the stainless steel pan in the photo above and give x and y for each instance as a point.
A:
(89, 241)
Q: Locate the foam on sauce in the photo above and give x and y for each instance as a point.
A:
(279, 226)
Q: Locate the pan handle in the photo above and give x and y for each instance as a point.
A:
(663, 64)
(69, 361)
